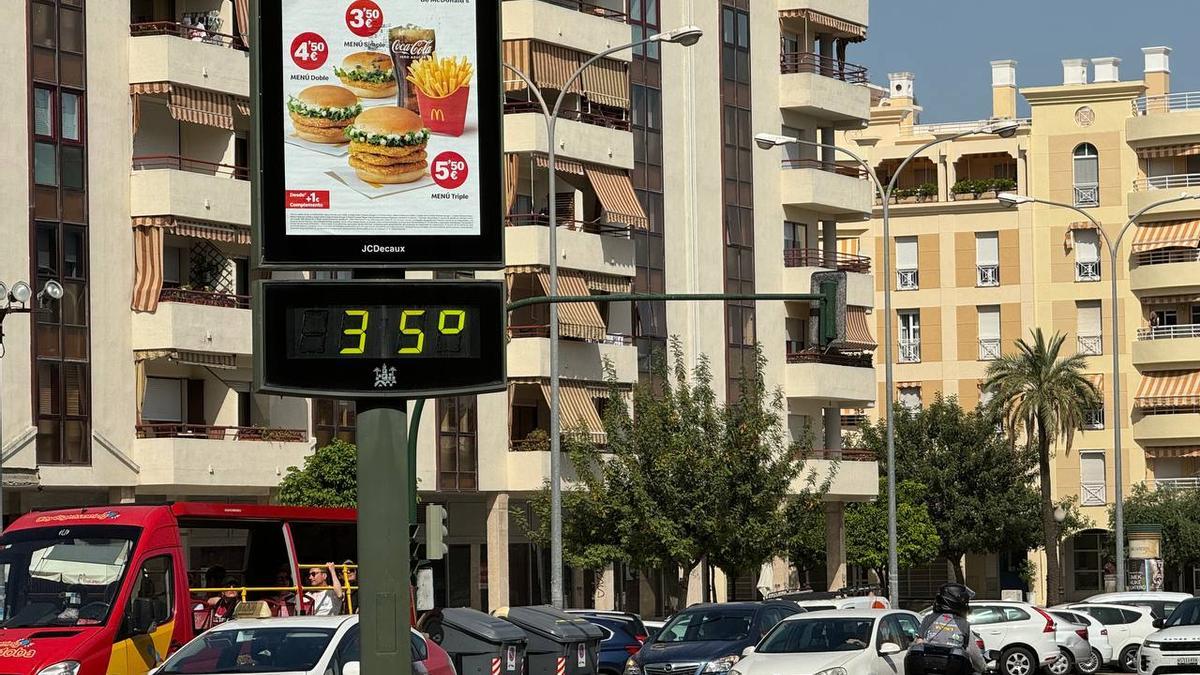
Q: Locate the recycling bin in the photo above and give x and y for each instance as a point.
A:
(478, 643)
(559, 643)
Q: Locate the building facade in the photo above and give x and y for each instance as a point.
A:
(133, 162)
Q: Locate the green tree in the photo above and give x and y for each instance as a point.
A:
(979, 487)
(329, 478)
(1178, 512)
(1044, 396)
(867, 530)
(805, 543)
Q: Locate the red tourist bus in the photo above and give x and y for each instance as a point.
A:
(112, 590)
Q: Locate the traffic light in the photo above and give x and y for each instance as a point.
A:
(416, 546)
(436, 532)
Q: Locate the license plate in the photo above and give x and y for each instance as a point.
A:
(1188, 661)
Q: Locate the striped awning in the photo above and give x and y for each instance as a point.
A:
(553, 65)
(1082, 225)
(560, 165)
(1171, 300)
(848, 29)
(858, 331)
(1169, 234)
(188, 358)
(1173, 452)
(607, 82)
(579, 320)
(908, 384)
(615, 192)
(848, 245)
(607, 283)
(199, 229)
(189, 104)
(1159, 152)
(136, 91)
(147, 264)
(1168, 388)
(576, 407)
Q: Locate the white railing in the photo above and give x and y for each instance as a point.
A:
(987, 275)
(1167, 182)
(1187, 330)
(1090, 345)
(1185, 483)
(949, 128)
(1177, 102)
(1093, 419)
(910, 351)
(1087, 194)
(1087, 270)
(989, 349)
(906, 280)
(1164, 256)
(1092, 494)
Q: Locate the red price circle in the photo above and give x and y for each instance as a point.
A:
(364, 18)
(309, 51)
(449, 170)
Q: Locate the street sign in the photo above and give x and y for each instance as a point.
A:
(379, 339)
(378, 134)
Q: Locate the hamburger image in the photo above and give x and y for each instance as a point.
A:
(321, 113)
(387, 145)
(368, 74)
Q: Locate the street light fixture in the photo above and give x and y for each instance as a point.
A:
(1010, 199)
(685, 36)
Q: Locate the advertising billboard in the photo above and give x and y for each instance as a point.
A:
(378, 133)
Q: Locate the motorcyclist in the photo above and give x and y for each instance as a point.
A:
(944, 642)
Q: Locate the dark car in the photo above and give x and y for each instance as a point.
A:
(707, 639)
(624, 634)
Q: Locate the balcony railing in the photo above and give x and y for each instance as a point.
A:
(906, 280)
(1087, 194)
(989, 349)
(1164, 256)
(221, 433)
(1177, 102)
(1093, 419)
(590, 8)
(1167, 182)
(831, 167)
(950, 128)
(843, 454)
(597, 438)
(587, 117)
(187, 33)
(1092, 494)
(148, 162)
(619, 230)
(829, 358)
(836, 260)
(1090, 345)
(543, 331)
(1187, 330)
(791, 63)
(207, 298)
(1185, 483)
(987, 275)
(1176, 409)
(910, 351)
(1087, 270)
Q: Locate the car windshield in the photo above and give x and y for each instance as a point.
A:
(707, 625)
(800, 636)
(1186, 614)
(252, 650)
(65, 576)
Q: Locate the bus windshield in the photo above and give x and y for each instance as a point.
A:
(62, 576)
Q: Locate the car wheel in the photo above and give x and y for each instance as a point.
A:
(1089, 665)
(1129, 659)
(1018, 661)
(1062, 665)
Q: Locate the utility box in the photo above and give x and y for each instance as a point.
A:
(478, 643)
(559, 643)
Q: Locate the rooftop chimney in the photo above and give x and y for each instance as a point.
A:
(1106, 69)
(1158, 70)
(1004, 88)
(1074, 71)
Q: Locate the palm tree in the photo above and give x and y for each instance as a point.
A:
(1045, 396)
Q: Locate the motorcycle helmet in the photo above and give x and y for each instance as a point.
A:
(954, 598)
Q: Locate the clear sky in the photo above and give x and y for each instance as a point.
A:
(947, 44)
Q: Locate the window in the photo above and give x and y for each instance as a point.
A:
(909, 627)
(349, 650)
(989, 332)
(172, 266)
(1093, 419)
(1087, 319)
(795, 236)
(910, 397)
(333, 419)
(43, 112)
(1091, 478)
(987, 259)
(1087, 175)
(1088, 551)
(163, 400)
(906, 263)
(910, 335)
(1087, 255)
(45, 164)
(1014, 614)
(981, 616)
(156, 583)
(1164, 317)
(1194, 314)
(458, 444)
(70, 116)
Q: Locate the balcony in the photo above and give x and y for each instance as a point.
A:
(590, 27)
(529, 356)
(204, 298)
(910, 351)
(1087, 270)
(1089, 345)
(854, 11)
(1162, 270)
(1185, 483)
(989, 349)
(1163, 347)
(831, 260)
(824, 88)
(987, 276)
(800, 264)
(826, 187)
(599, 117)
(184, 455)
(1176, 425)
(1092, 494)
(525, 132)
(189, 188)
(1148, 190)
(1159, 118)
(848, 378)
(907, 279)
(195, 321)
(585, 246)
(854, 473)
(169, 52)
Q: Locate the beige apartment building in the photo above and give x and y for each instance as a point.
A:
(972, 276)
(132, 166)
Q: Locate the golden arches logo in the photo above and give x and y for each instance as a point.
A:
(437, 115)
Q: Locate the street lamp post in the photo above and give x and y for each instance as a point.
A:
(1005, 128)
(1010, 199)
(686, 36)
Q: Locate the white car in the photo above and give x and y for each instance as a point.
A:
(849, 602)
(1127, 626)
(1023, 634)
(1102, 649)
(845, 642)
(1161, 602)
(1175, 648)
(1072, 635)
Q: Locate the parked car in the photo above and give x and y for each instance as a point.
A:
(1127, 626)
(624, 635)
(708, 638)
(1176, 646)
(815, 601)
(300, 645)
(1161, 602)
(1072, 635)
(1023, 634)
(652, 627)
(847, 642)
(1102, 649)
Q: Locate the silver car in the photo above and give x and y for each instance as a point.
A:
(1072, 639)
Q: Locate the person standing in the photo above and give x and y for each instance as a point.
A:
(326, 598)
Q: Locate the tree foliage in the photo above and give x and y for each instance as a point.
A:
(1177, 511)
(867, 530)
(329, 478)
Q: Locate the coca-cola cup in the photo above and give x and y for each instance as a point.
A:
(408, 44)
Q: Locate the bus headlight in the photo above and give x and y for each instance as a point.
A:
(61, 668)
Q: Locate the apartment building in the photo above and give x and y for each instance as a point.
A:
(133, 164)
(972, 276)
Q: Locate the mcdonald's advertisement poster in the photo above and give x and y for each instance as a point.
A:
(381, 118)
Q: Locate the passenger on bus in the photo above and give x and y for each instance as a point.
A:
(351, 593)
(325, 601)
(282, 602)
(224, 604)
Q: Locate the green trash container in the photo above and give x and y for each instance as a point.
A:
(478, 643)
(558, 643)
